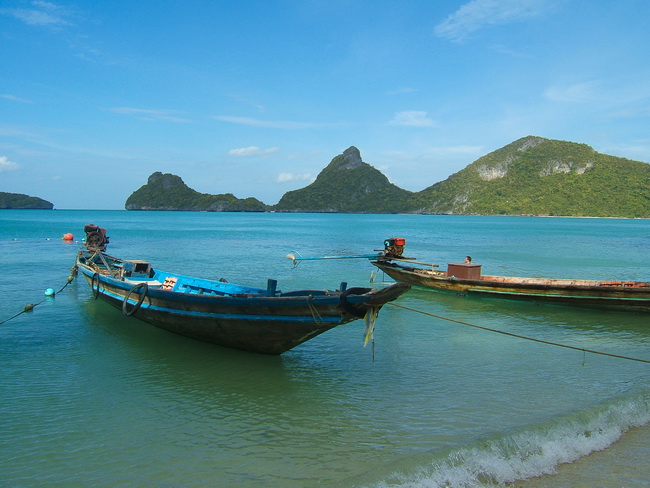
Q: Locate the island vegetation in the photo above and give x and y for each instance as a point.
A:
(169, 192)
(530, 176)
(20, 201)
(348, 185)
(537, 176)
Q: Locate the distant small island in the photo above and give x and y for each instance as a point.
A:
(169, 192)
(20, 201)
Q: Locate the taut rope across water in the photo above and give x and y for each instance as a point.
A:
(520, 336)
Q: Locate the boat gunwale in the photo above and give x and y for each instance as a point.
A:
(634, 299)
(519, 282)
(317, 297)
(309, 297)
(105, 275)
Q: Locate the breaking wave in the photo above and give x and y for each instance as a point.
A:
(531, 453)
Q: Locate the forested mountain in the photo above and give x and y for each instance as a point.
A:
(169, 192)
(18, 201)
(537, 176)
(531, 176)
(348, 185)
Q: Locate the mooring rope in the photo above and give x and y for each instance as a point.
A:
(30, 306)
(519, 336)
(314, 312)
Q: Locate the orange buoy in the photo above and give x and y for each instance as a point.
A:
(68, 237)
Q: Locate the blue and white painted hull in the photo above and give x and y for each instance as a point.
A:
(252, 319)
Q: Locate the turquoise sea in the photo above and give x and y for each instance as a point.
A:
(91, 398)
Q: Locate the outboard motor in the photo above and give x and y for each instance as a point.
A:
(96, 238)
(394, 247)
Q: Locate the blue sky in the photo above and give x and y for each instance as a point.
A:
(255, 98)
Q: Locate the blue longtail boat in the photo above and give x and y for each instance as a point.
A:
(261, 320)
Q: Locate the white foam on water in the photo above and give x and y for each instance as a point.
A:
(531, 453)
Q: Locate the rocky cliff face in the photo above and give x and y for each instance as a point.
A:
(165, 181)
(497, 166)
(350, 159)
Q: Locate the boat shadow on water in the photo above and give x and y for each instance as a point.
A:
(219, 382)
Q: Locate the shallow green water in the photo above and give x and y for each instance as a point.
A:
(92, 398)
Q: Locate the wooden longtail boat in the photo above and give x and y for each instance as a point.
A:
(262, 320)
(467, 278)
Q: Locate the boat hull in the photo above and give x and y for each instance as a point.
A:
(585, 293)
(252, 321)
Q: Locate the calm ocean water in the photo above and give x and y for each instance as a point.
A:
(91, 398)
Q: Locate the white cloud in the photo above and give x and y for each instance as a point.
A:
(434, 153)
(578, 92)
(472, 150)
(636, 150)
(478, 14)
(150, 114)
(6, 165)
(251, 151)
(258, 106)
(283, 177)
(274, 124)
(11, 131)
(413, 118)
(42, 14)
(635, 111)
(13, 98)
(509, 51)
(402, 90)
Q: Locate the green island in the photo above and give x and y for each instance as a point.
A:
(169, 192)
(531, 176)
(20, 201)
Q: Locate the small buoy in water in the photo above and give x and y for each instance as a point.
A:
(49, 292)
(67, 237)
